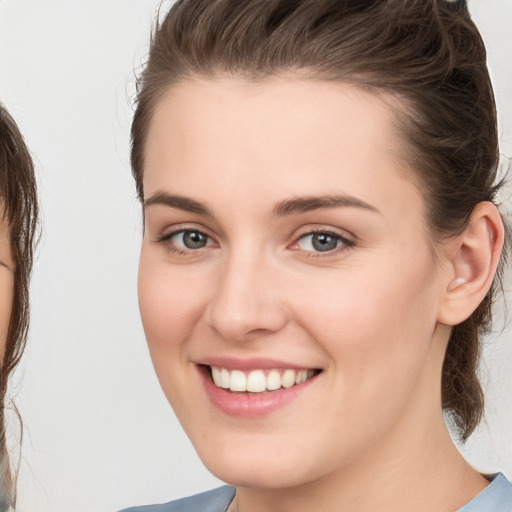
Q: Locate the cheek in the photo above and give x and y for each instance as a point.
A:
(377, 332)
(6, 298)
(168, 304)
(171, 301)
(375, 321)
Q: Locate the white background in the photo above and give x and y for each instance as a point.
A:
(99, 434)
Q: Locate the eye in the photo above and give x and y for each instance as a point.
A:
(187, 239)
(322, 241)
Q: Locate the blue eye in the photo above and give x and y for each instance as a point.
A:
(320, 242)
(188, 239)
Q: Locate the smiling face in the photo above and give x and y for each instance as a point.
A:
(284, 242)
(6, 283)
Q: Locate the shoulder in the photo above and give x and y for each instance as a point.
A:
(496, 497)
(216, 500)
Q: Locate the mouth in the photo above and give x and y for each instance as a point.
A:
(254, 388)
(260, 380)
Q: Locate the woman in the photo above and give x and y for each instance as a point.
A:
(18, 221)
(321, 248)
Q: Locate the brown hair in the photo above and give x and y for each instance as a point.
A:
(18, 201)
(427, 54)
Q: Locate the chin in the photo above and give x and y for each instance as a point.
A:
(245, 474)
(257, 466)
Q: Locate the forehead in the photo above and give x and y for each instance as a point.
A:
(283, 109)
(288, 133)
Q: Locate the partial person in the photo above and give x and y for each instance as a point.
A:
(322, 247)
(18, 234)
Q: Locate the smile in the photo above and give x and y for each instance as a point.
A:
(259, 381)
(254, 388)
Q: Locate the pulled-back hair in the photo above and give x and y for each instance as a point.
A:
(425, 55)
(18, 206)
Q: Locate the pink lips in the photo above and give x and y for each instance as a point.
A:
(247, 364)
(249, 405)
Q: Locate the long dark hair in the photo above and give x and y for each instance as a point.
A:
(19, 207)
(426, 54)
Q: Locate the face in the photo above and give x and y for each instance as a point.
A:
(286, 256)
(6, 283)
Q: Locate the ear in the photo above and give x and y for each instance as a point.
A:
(473, 258)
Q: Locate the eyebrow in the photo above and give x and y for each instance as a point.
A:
(3, 264)
(284, 208)
(180, 202)
(298, 205)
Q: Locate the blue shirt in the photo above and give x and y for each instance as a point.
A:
(496, 497)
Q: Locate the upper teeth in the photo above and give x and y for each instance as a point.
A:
(257, 381)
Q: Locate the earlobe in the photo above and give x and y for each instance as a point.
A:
(473, 263)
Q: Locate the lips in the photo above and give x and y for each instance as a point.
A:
(253, 388)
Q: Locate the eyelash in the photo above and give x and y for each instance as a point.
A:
(166, 240)
(345, 243)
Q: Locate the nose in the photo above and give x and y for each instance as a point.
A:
(246, 303)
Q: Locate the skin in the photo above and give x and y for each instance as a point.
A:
(374, 314)
(6, 283)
